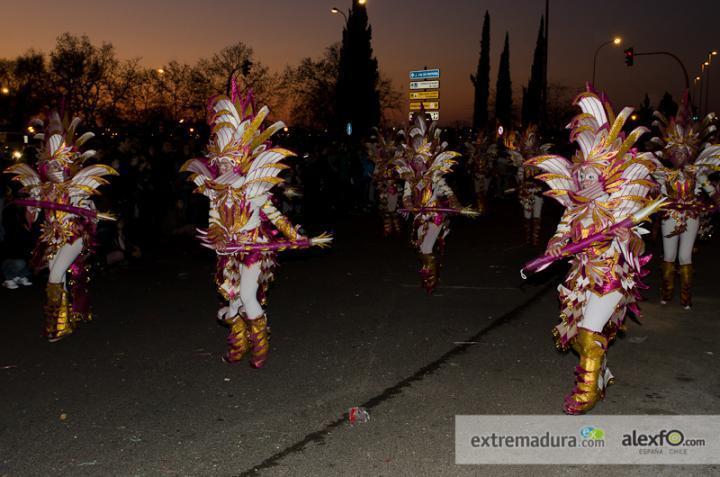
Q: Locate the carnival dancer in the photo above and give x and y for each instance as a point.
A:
(426, 195)
(689, 157)
(387, 183)
(237, 174)
(482, 155)
(601, 188)
(61, 189)
(520, 148)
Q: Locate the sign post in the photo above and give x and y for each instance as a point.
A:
(425, 85)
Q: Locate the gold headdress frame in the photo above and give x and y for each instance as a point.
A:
(60, 143)
(236, 132)
(598, 132)
(681, 138)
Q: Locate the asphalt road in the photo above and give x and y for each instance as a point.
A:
(142, 391)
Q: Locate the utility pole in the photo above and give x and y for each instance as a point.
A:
(545, 68)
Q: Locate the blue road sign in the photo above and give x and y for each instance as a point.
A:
(425, 74)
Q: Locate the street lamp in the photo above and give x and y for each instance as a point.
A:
(336, 10)
(707, 88)
(160, 71)
(615, 41)
(696, 81)
(5, 90)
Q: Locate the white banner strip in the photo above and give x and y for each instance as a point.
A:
(587, 439)
(434, 115)
(424, 84)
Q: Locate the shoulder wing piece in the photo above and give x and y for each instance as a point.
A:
(25, 174)
(442, 163)
(87, 180)
(630, 183)
(263, 173)
(557, 174)
(199, 171)
(709, 159)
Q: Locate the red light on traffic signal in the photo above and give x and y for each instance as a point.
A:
(630, 56)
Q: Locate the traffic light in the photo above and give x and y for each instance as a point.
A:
(630, 56)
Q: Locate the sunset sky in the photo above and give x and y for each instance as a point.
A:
(407, 34)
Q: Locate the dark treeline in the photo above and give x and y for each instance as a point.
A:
(148, 121)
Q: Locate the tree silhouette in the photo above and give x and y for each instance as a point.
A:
(358, 100)
(81, 72)
(26, 78)
(503, 90)
(238, 61)
(667, 106)
(645, 112)
(310, 89)
(481, 79)
(532, 96)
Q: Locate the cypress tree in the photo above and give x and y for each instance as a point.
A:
(358, 100)
(481, 79)
(533, 102)
(503, 90)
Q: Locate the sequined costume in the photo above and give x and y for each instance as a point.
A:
(482, 155)
(60, 190)
(387, 183)
(426, 196)
(237, 174)
(689, 157)
(522, 147)
(606, 182)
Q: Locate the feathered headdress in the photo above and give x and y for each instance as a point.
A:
(424, 153)
(236, 131)
(525, 145)
(602, 146)
(238, 136)
(59, 143)
(681, 139)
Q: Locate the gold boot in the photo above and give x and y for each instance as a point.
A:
(237, 341)
(668, 282)
(590, 374)
(259, 341)
(428, 272)
(686, 274)
(57, 319)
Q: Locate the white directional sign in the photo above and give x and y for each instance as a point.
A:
(424, 85)
(424, 74)
(425, 90)
(434, 115)
(425, 95)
